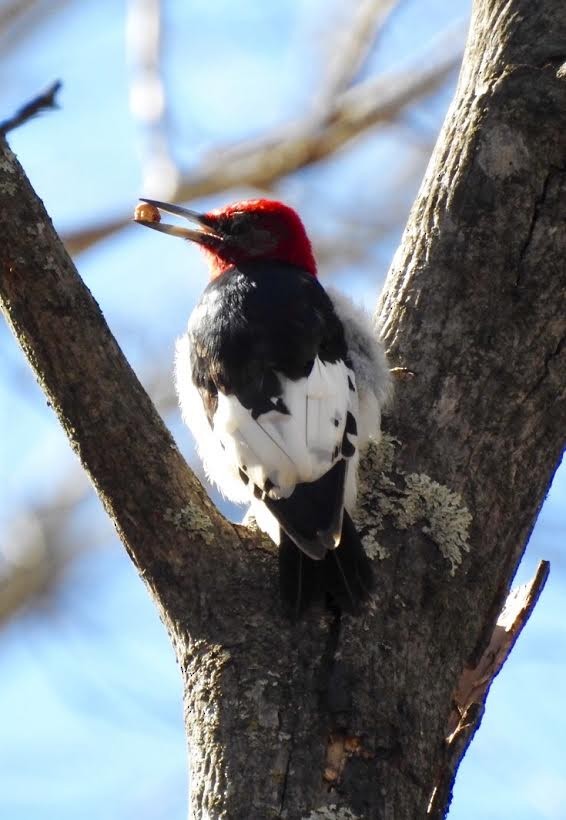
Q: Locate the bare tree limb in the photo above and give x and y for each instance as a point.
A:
(43, 102)
(474, 684)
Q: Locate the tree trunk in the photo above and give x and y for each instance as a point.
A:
(334, 716)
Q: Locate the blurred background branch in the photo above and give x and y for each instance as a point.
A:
(21, 19)
(148, 96)
(259, 163)
(350, 48)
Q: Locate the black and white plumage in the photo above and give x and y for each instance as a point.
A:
(281, 384)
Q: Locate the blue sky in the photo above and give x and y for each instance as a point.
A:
(91, 713)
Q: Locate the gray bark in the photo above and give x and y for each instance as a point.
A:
(354, 714)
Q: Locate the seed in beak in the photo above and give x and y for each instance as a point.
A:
(145, 212)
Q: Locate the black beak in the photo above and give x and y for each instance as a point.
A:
(202, 233)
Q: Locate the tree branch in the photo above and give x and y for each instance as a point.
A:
(79, 365)
(473, 687)
(43, 102)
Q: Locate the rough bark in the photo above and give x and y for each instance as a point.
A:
(354, 715)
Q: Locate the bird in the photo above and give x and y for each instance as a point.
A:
(282, 383)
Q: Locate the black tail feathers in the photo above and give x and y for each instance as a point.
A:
(345, 574)
(298, 577)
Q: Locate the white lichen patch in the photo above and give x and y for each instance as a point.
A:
(249, 521)
(35, 230)
(191, 518)
(332, 812)
(377, 461)
(382, 453)
(448, 517)
(8, 187)
(408, 501)
(373, 548)
(51, 266)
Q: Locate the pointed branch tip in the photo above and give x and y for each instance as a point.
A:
(42, 102)
(474, 684)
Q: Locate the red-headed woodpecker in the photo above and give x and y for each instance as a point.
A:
(281, 383)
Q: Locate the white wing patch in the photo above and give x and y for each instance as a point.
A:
(327, 405)
(246, 457)
(277, 450)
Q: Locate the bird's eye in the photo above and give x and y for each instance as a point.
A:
(238, 224)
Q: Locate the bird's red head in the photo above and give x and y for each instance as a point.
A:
(258, 229)
(252, 229)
